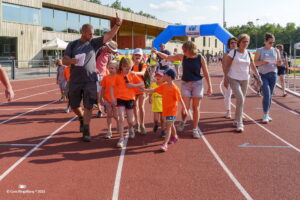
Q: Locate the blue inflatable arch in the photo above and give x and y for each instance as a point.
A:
(199, 30)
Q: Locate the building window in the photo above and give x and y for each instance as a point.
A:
(83, 19)
(21, 14)
(73, 23)
(216, 43)
(96, 24)
(47, 19)
(60, 21)
(204, 41)
(105, 26)
(63, 21)
(8, 47)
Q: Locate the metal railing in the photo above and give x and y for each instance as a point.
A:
(29, 69)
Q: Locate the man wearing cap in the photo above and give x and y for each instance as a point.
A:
(81, 56)
(103, 57)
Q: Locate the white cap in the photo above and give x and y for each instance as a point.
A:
(138, 51)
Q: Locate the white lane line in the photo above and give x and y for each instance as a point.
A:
(11, 168)
(225, 168)
(267, 130)
(119, 171)
(24, 113)
(28, 96)
(228, 172)
(17, 109)
(18, 145)
(31, 87)
(287, 109)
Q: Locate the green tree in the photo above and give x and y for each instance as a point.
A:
(95, 1)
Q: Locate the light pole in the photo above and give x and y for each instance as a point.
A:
(224, 22)
(256, 33)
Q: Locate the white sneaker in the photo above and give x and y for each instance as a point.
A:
(228, 114)
(239, 127)
(265, 119)
(108, 135)
(131, 133)
(180, 127)
(270, 119)
(120, 143)
(196, 133)
(68, 110)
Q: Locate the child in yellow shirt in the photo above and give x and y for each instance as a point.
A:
(156, 100)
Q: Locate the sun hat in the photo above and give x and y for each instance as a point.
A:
(112, 45)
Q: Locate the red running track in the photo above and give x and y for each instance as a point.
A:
(261, 163)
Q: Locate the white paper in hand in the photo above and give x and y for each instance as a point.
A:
(80, 58)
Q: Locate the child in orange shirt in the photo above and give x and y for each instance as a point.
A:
(124, 91)
(105, 96)
(139, 68)
(170, 95)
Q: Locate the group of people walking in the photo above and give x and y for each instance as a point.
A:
(119, 85)
(95, 78)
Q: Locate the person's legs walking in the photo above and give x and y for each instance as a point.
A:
(238, 93)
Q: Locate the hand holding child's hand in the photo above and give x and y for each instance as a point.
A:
(129, 85)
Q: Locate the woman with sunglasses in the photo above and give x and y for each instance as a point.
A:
(237, 70)
(267, 59)
(231, 44)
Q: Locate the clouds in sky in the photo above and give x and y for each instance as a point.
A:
(177, 5)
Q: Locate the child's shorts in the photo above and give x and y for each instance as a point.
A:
(171, 118)
(128, 104)
(62, 84)
(108, 104)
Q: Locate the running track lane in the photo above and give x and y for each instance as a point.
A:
(187, 166)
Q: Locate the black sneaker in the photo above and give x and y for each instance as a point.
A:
(86, 134)
(81, 124)
(99, 115)
(163, 133)
(155, 128)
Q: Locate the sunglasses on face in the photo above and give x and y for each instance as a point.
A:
(126, 79)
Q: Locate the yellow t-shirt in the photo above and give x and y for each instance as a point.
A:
(156, 99)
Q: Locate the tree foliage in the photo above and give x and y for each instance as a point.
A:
(290, 34)
(117, 5)
(95, 1)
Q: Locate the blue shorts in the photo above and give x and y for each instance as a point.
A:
(171, 118)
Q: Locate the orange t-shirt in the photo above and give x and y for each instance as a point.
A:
(67, 73)
(170, 96)
(106, 82)
(121, 90)
(135, 68)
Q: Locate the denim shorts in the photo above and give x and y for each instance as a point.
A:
(192, 89)
(171, 118)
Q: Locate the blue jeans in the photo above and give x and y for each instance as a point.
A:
(269, 82)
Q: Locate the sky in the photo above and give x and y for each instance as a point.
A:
(237, 12)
